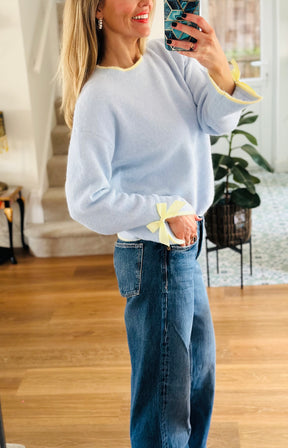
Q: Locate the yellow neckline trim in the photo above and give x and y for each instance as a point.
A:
(112, 67)
(236, 78)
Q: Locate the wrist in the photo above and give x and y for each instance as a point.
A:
(223, 78)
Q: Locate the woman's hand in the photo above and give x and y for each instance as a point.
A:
(207, 50)
(184, 228)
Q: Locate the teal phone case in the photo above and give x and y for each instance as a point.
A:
(172, 10)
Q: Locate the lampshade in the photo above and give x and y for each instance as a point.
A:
(3, 136)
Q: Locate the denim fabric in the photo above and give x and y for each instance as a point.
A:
(171, 343)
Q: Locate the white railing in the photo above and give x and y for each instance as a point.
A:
(43, 27)
(42, 67)
(41, 33)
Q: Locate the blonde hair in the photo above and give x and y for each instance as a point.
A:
(82, 49)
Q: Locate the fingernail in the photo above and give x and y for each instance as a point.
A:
(179, 18)
(183, 15)
(174, 24)
(169, 41)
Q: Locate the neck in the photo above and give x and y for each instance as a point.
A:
(120, 53)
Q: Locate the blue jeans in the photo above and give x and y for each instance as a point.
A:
(171, 343)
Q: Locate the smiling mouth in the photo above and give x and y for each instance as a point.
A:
(141, 17)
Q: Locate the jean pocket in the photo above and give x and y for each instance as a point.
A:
(179, 248)
(128, 260)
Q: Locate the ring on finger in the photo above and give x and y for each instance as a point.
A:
(193, 46)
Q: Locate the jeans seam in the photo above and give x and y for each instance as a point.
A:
(164, 355)
(124, 245)
(164, 374)
(141, 268)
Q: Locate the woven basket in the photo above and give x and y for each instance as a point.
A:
(228, 224)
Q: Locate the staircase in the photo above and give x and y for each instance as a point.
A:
(59, 235)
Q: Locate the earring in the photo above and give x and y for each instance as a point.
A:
(100, 24)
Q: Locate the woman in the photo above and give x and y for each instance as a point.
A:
(139, 165)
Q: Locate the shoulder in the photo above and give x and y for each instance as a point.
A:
(155, 46)
(91, 90)
(93, 103)
(156, 49)
(166, 63)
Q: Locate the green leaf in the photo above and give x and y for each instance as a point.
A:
(214, 138)
(255, 179)
(239, 161)
(219, 192)
(247, 120)
(232, 185)
(257, 157)
(221, 160)
(221, 165)
(220, 172)
(245, 112)
(244, 198)
(243, 177)
(250, 137)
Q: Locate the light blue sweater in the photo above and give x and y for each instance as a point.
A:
(141, 137)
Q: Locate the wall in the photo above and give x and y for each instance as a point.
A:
(28, 54)
(281, 88)
(41, 45)
(19, 164)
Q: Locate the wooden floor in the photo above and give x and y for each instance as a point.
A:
(64, 364)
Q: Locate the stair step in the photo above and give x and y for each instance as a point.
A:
(56, 168)
(59, 113)
(59, 235)
(65, 239)
(60, 137)
(55, 205)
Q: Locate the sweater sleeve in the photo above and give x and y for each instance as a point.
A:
(94, 202)
(217, 111)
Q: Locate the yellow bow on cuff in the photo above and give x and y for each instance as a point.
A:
(174, 210)
(236, 74)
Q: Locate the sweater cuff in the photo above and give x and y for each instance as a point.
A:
(165, 235)
(243, 94)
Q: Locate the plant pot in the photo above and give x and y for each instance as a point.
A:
(228, 224)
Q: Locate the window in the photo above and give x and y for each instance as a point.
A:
(237, 25)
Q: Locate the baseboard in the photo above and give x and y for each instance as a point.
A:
(281, 166)
(13, 445)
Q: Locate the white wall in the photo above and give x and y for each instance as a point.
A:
(18, 164)
(281, 88)
(27, 96)
(158, 24)
(41, 45)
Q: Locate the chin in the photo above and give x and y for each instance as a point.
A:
(146, 33)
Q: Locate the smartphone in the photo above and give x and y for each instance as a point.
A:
(172, 10)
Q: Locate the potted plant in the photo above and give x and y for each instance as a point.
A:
(228, 220)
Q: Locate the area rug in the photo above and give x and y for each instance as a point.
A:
(269, 241)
